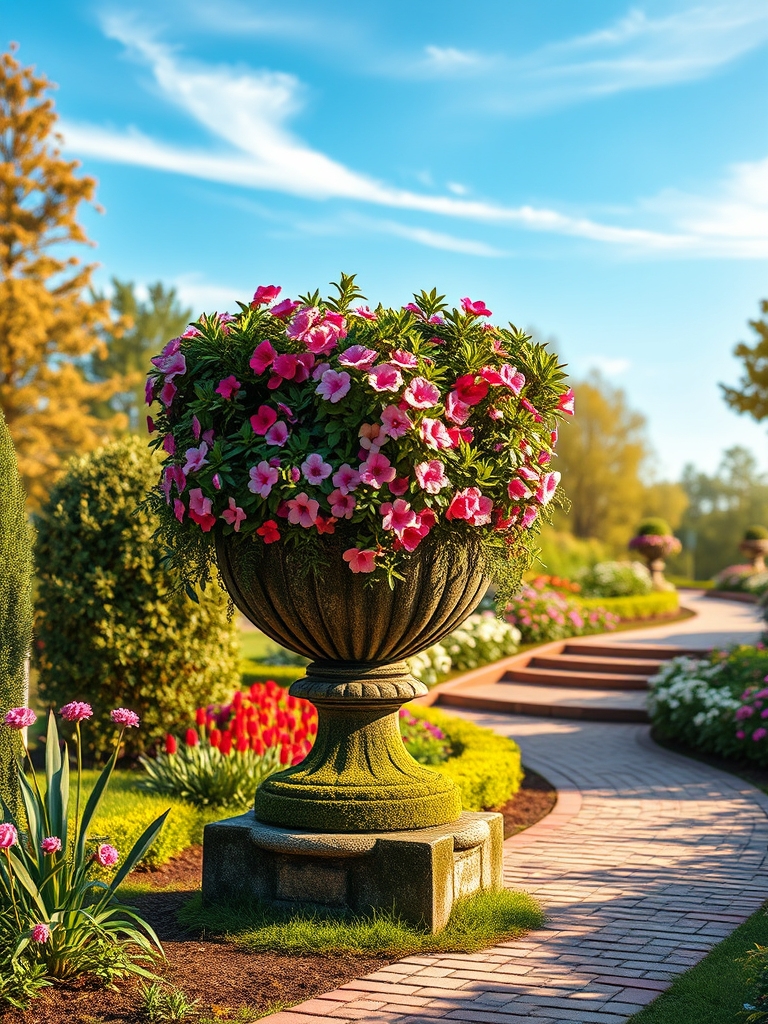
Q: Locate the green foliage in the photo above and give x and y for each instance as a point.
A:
(123, 818)
(755, 1009)
(113, 628)
(425, 742)
(15, 608)
(751, 395)
(562, 554)
(653, 527)
(615, 579)
(756, 533)
(641, 606)
(480, 640)
(485, 766)
(164, 1004)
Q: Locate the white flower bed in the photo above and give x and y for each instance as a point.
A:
(480, 640)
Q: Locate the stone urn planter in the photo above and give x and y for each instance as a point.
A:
(655, 548)
(358, 777)
(755, 550)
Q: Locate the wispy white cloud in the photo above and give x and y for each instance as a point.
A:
(447, 60)
(433, 239)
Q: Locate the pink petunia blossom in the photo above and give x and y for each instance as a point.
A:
(431, 476)
(358, 357)
(566, 402)
(517, 489)
(477, 308)
(345, 478)
(233, 515)
(333, 385)
(507, 376)
(76, 711)
(322, 339)
(529, 516)
(342, 504)
(547, 488)
(470, 505)
(277, 434)
(263, 479)
(208, 436)
(434, 434)
(216, 481)
(319, 370)
(149, 390)
(302, 510)
(195, 459)
(364, 313)
(360, 561)
(41, 933)
(228, 387)
(397, 516)
(125, 717)
(295, 474)
(385, 377)
(51, 844)
(398, 486)
(106, 855)
(19, 718)
(8, 836)
(179, 509)
(264, 294)
(263, 419)
(543, 458)
(191, 332)
(168, 393)
(456, 410)
(377, 470)
(531, 408)
(315, 470)
(412, 536)
(395, 422)
(171, 362)
(470, 390)
(465, 434)
(197, 428)
(405, 359)
(421, 393)
(284, 309)
(302, 322)
(528, 474)
(200, 511)
(262, 358)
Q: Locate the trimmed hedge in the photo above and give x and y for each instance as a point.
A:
(641, 606)
(486, 767)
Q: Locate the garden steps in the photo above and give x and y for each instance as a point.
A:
(566, 676)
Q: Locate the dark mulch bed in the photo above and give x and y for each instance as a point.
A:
(223, 977)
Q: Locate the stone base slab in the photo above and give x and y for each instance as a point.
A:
(419, 874)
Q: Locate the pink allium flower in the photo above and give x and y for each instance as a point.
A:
(358, 357)
(456, 410)
(395, 422)
(342, 504)
(195, 459)
(168, 393)
(263, 478)
(20, 718)
(169, 444)
(470, 390)
(269, 532)
(228, 387)
(470, 505)
(397, 516)
(233, 515)
(200, 510)
(106, 855)
(263, 419)
(431, 476)
(434, 434)
(529, 516)
(315, 470)
(51, 844)
(377, 470)
(277, 434)
(360, 561)
(303, 510)
(421, 393)
(566, 402)
(179, 509)
(516, 488)
(284, 309)
(262, 358)
(41, 933)
(478, 308)
(171, 362)
(365, 313)
(547, 488)
(404, 359)
(8, 836)
(76, 711)
(345, 478)
(127, 719)
(265, 294)
(333, 385)
(385, 377)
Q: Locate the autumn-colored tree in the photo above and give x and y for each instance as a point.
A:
(48, 326)
(751, 395)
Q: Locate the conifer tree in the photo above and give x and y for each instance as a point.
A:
(751, 393)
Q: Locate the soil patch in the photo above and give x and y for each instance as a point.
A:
(532, 802)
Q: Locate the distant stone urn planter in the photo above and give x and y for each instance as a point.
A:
(655, 548)
(755, 550)
(358, 777)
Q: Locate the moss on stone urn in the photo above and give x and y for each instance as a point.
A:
(755, 546)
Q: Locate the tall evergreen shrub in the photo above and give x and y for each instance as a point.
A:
(15, 608)
(113, 629)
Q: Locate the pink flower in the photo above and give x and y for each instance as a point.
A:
(233, 515)
(8, 836)
(41, 933)
(51, 844)
(528, 516)
(263, 419)
(20, 718)
(740, 734)
(168, 393)
(475, 308)
(342, 504)
(395, 422)
(263, 478)
(228, 387)
(216, 481)
(195, 459)
(262, 358)
(470, 505)
(284, 309)
(334, 386)
(744, 712)
(431, 476)
(315, 470)
(465, 434)
(302, 322)
(179, 509)
(303, 510)
(169, 444)
(507, 376)
(405, 359)
(456, 410)
(398, 486)
(377, 470)
(319, 370)
(421, 393)
(532, 410)
(547, 488)
(76, 711)
(469, 390)
(759, 734)
(543, 458)
(191, 332)
(149, 390)
(336, 321)
(360, 561)
(346, 479)
(265, 294)
(322, 339)
(397, 516)
(196, 428)
(412, 536)
(127, 719)
(171, 362)
(200, 510)
(434, 434)
(277, 434)
(106, 855)
(528, 474)
(365, 313)
(566, 402)
(269, 532)
(516, 488)
(295, 474)
(385, 377)
(358, 357)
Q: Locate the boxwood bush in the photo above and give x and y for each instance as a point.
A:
(641, 606)
(113, 628)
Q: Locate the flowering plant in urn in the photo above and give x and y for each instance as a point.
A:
(655, 542)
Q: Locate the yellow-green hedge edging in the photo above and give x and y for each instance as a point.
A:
(641, 606)
(486, 767)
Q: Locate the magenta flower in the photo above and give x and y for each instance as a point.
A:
(295, 474)
(41, 933)
(168, 393)
(405, 359)
(385, 377)
(169, 444)
(149, 390)
(51, 844)
(759, 734)
(456, 410)
(518, 489)
(195, 459)
(566, 402)
(529, 516)
(233, 515)
(434, 434)
(342, 504)
(106, 855)
(179, 509)
(333, 385)
(76, 711)
(395, 422)
(302, 322)
(421, 393)
(744, 712)
(431, 476)
(216, 481)
(20, 718)
(345, 478)
(171, 362)
(475, 308)
(322, 339)
(265, 294)
(507, 376)
(262, 358)
(284, 309)
(398, 516)
(319, 370)
(364, 313)
(277, 434)
(399, 486)
(470, 390)
(263, 478)
(360, 561)
(547, 488)
(200, 510)
(8, 835)
(303, 510)
(315, 470)
(377, 470)
(531, 408)
(125, 718)
(528, 474)
(358, 357)
(470, 505)
(228, 387)
(263, 419)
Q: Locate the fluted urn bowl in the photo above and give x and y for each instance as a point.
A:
(358, 777)
(755, 549)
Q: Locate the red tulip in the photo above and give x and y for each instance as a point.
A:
(215, 737)
(170, 744)
(225, 747)
(191, 738)
(242, 744)
(285, 754)
(200, 716)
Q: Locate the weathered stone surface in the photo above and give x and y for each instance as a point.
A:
(418, 873)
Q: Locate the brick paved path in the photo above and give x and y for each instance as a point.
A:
(648, 860)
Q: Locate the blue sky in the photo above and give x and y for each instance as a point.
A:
(594, 170)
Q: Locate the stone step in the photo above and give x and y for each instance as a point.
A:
(619, 650)
(590, 663)
(583, 680)
(551, 702)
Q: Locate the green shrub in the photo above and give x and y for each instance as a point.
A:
(654, 527)
(615, 579)
(562, 554)
(756, 533)
(113, 627)
(486, 767)
(642, 606)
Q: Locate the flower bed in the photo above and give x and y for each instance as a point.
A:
(481, 639)
(545, 615)
(615, 579)
(742, 579)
